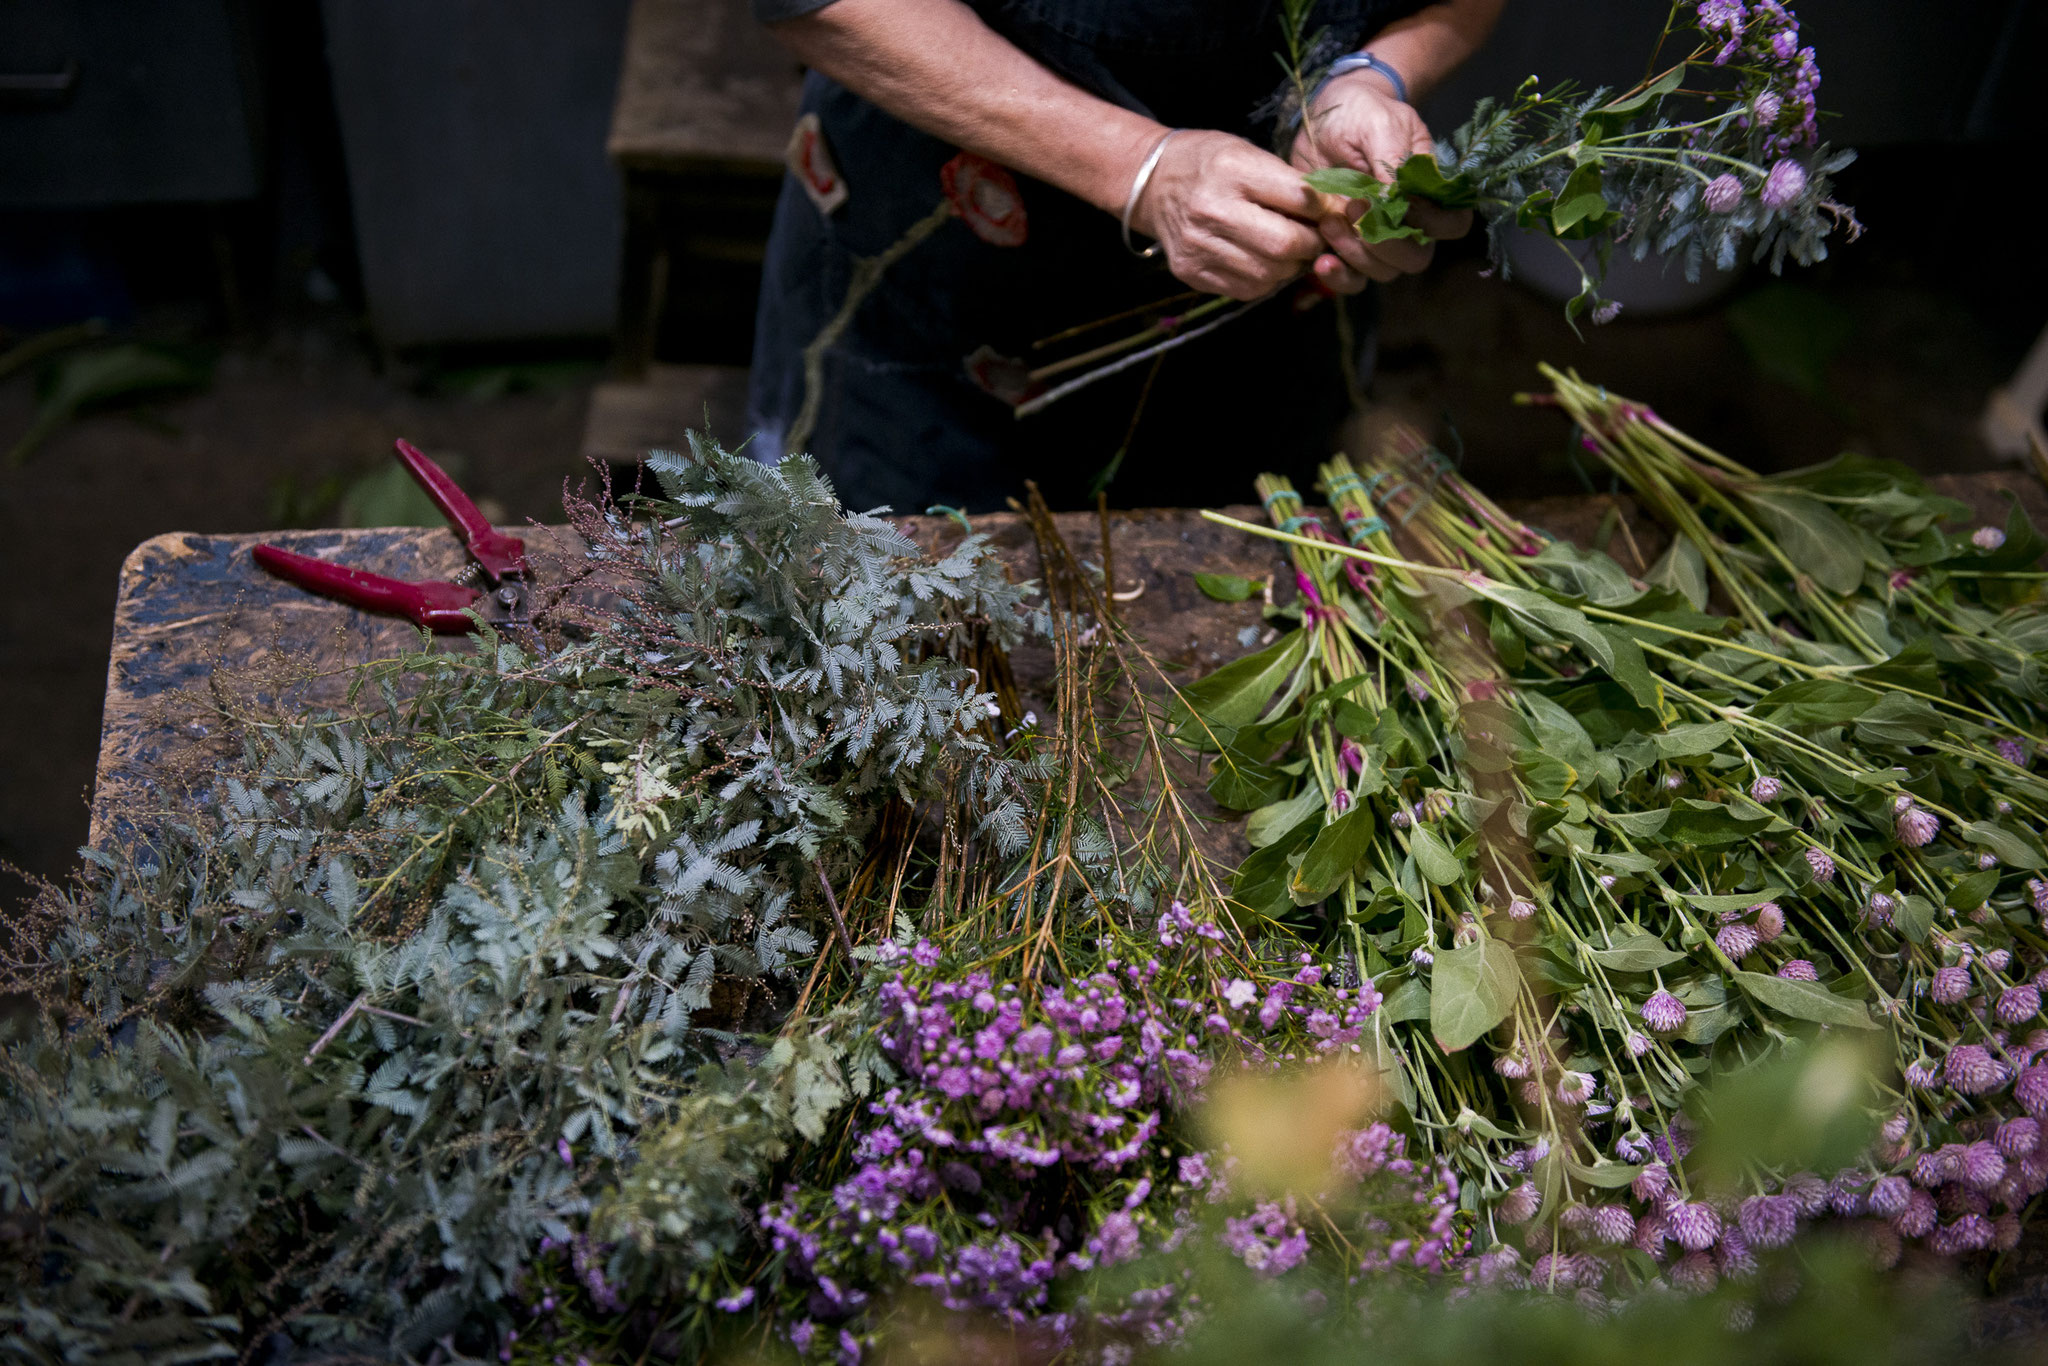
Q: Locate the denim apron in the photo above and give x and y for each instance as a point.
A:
(900, 423)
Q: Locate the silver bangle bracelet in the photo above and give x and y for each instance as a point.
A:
(1138, 184)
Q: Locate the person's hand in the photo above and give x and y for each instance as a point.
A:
(1358, 124)
(1233, 219)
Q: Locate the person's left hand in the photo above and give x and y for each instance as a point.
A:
(1357, 123)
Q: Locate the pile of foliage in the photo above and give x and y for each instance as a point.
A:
(1713, 155)
(1601, 837)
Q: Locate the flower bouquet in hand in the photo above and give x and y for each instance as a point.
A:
(1712, 155)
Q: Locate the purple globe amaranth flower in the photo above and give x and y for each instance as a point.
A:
(2017, 1005)
(1417, 688)
(1918, 1217)
(1521, 909)
(2018, 1138)
(1606, 312)
(1723, 193)
(2013, 751)
(1638, 1044)
(1766, 108)
(1651, 1182)
(1770, 920)
(1737, 941)
(1613, 1225)
(1951, 985)
(1785, 183)
(2037, 893)
(1519, 1205)
(1998, 959)
(1798, 970)
(1889, 1195)
(2032, 1090)
(1766, 789)
(1970, 1069)
(1768, 1220)
(1983, 1166)
(1694, 1274)
(1664, 1012)
(1575, 1088)
(1822, 864)
(1916, 826)
(1987, 538)
(1879, 908)
(1692, 1225)
(1986, 862)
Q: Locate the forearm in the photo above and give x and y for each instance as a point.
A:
(1429, 45)
(936, 66)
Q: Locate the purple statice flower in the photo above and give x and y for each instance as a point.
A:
(1723, 193)
(1768, 1220)
(2017, 1005)
(1770, 920)
(1822, 864)
(738, 1300)
(1693, 1225)
(1766, 789)
(1765, 109)
(1402, 818)
(1268, 1240)
(1606, 312)
(1916, 826)
(1785, 183)
(1664, 1012)
(1738, 941)
(1986, 862)
(1239, 993)
(1575, 1088)
(565, 1152)
(1987, 538)
(1422, 958)
(1878, 910)
(1970, 1069)
(1721, 16)
(1521, 908)
(2012, 750)
(1673, 781)
(1519, 1205)
(1951, 985)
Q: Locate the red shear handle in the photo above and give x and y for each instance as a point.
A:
(434, 605)
(498, 553)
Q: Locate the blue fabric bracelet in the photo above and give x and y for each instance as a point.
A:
(1362, 61)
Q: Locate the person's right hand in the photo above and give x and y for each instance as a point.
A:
(1233, 219)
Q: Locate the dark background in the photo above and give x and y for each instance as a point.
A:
(294, 231)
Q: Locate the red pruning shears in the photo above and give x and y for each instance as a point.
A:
(438, 604)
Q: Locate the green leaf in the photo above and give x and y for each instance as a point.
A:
(1335, 852)
(1261, 880)
(1974, 890)
(1813, 536)
(1580, 202)
(1638, 825)
(2012, 851)
(1704, 737)
(1235, 694)
(1642, 99)
(1270, 823)
(1228, 587)
(1614, 651)
(1409, 1001)
(1637, 953)
(1899, 719)
(1344, 181)
(1914, 918)
(1732, 901)
(1471, 990)
(1242, 784)
(1605, 1173)
(1433, 858)
(1683, 570)
(1708, 824)
(1816, 702)
(1421, 177)
(1709, 1023)
(1805, 1000)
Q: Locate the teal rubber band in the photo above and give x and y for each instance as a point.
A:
(1293, 525)
(1346, 483)
(1267, 501)
(1365, 527)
